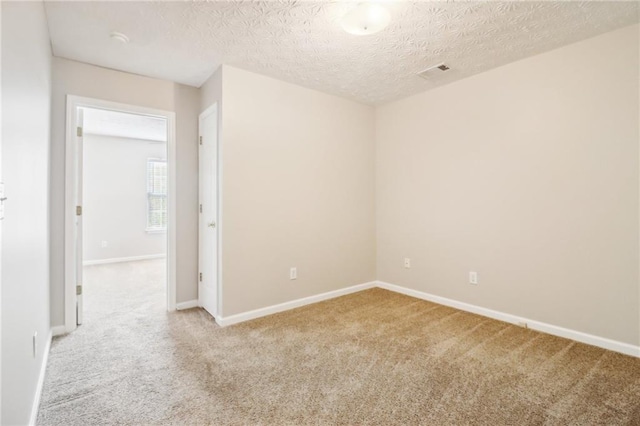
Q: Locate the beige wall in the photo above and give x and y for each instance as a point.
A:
(26, 99)
(211, 90)
(115, 197)
(527, 174)
(297, 188)
(74, 78)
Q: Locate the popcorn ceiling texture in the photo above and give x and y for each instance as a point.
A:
(302, 42)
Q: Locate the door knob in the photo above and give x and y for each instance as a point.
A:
(212, 225)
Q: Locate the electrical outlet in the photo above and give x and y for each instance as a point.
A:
(473, 278)
(103, 244)
(293, 273)
(35, 344)
(407, 263)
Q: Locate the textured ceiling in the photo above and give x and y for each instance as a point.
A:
(302, 41)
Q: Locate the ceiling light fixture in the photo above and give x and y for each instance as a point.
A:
(434, 71)
(119, 37)
(365, 19)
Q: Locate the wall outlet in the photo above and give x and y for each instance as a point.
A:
(293, 273)
(35, 344)
(407, 263)
(473, 278)
(103, 244)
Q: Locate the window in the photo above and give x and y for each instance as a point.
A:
(156, 195)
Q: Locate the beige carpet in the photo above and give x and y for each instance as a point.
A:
(373, 357)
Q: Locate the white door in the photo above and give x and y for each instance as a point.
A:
(79, 161)
(208, 232)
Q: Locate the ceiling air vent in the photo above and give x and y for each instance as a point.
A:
(434, 71)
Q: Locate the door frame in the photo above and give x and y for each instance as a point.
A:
(213, 109)
(74, 102)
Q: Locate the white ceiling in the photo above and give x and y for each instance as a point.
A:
(302, 41)
(122, 124)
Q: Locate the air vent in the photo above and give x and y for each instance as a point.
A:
(434, 71)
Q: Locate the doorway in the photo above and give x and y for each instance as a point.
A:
(120, 209)
(124, 213)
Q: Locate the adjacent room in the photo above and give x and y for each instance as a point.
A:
(124, 210)
(376, 212)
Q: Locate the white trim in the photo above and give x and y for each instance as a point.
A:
(123, 259)
(155, 230)
(58, 330)
(187, 305)
(257, 313)
(555, 330)
(73, 102)
(214, 107)
(172, 222)
(40, 385)
(601, 342)
(69, 237)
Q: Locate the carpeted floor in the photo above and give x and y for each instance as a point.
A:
(374, 357)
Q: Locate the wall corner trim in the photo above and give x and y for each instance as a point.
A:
(261, 312)
(43, 369)
(187, 305)
(589, 339)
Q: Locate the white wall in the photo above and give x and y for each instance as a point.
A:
(75, 78)
(115, 198)
(527, 174)
(26, 97)
(297, 190)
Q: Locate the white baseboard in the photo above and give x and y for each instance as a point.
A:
(257, 313)
(123, 259)
(578, 336)
(602, 342)
(58, 330)
(40, 385)
(187, 305)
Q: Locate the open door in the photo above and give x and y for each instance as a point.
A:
(208, 226)
(78, 230)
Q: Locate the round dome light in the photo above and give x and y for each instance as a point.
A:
(365, 19)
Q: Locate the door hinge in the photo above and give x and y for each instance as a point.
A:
(78, 210)
(200, 208)
(79, 131)
(200, 140)
(201, 276)
(78, 290)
